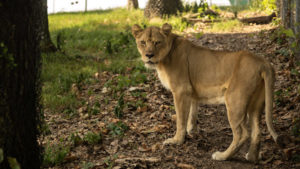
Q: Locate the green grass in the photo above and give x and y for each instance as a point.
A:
(55, 154)
(226, 26)
(86, 41)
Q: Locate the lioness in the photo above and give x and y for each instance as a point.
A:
(241, 80)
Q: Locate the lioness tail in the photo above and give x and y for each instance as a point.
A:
(268, 75)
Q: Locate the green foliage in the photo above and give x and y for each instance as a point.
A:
(119, 107)
(1, 155)
(281, 35)
(226, 26)
(6, 57)
(264, 5)
(75, 139)
(121, 82)
(117, 129)
(110, 161)
(87, 165)
(13, 163)
(198, 35)
(194, 7)
(296, 127)
(95, 109)
(122, 42)
(44, 128)
(55, 154)
(138, 94)
(92, 138)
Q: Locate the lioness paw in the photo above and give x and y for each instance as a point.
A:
(172, 141)
(218, 156)
(190, 129)
(252, 158)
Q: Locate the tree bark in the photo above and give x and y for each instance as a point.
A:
(278, 11)
(46, 43)
(161, 8)
(297, 17)
(132, 4)
(286, 13)
(297, 29)
(19, 82)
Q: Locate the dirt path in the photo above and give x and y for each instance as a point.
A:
(150, 124)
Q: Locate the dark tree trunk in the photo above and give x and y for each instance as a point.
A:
(278, 11)
(297, 17)
(46, 43)
(132, 4)
(286, 13)
(297, 29)
(161, 8)
(19, 84)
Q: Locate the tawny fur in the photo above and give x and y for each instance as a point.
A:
(240, 80)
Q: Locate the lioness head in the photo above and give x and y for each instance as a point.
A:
(153, 43)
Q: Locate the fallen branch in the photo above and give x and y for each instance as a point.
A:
(195, 20)
(185, 166)
(138, 159)
(259, 19)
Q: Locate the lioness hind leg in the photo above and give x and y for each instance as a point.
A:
(236, 111)
(255, 108)
(238, 140)
(253, 152)
(192, 117)
(182, 106)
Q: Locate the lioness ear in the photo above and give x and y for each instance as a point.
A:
(166, 28)
(136, 29)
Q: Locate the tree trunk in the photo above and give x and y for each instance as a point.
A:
(132, 4)
(19, 84)
(286, 13)
(297, 17)
(278, 11)
(161, 8)
(297, 29)
(46, 43)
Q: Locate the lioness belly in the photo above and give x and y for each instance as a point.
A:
(211, 95)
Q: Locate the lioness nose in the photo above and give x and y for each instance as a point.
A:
(149, 55)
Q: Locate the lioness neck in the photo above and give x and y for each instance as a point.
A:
(173, 69)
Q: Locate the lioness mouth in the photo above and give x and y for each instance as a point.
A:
(151, 63)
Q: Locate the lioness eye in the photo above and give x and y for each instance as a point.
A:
(143, 42)
(157, 42)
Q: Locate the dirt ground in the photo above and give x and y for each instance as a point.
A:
(149, 125)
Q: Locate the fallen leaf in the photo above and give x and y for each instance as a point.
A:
(185, 166)
(278, 162)
(156, 147)
(142, 109)
(173, 117)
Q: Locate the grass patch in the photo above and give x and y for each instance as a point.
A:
(89, 41)
(226, 26)
(55, 154)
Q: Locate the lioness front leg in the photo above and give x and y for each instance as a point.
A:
(192, 117)
(182, 105)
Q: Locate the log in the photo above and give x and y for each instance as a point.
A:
(259, 19)
(193, 20)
